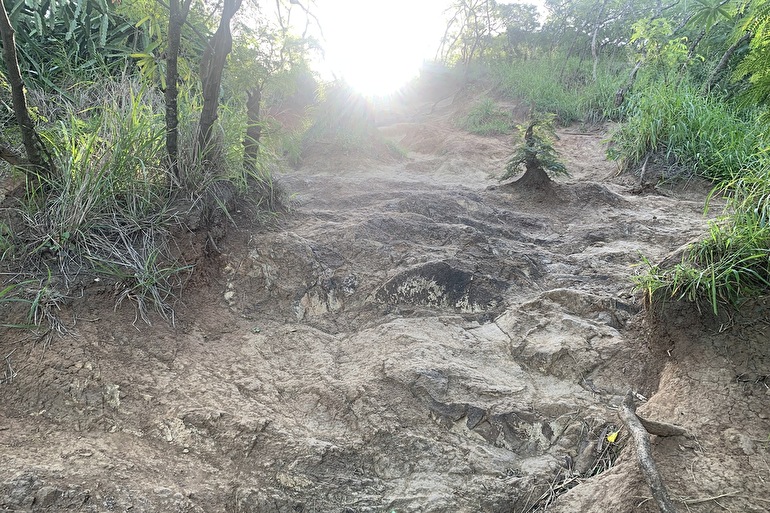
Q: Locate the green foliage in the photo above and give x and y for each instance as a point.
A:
(702, 134)
(57, 41)
(754, 67)
(663, 55)
(342, 117)
(536, 150)
(733, 262)
(396, 149)
(521, 23)
(708, 13)
(562, 87)
(486, 118)
(107, 214)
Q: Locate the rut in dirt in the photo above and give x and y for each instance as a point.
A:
(414, 336)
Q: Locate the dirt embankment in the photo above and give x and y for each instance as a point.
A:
(413, 337)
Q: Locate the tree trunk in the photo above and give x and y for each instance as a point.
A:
(38, 161)
(534, 176)
(714, 77)
(253, 129)
(620, 94)
(594, 36)
(212, 65)
(176, 19)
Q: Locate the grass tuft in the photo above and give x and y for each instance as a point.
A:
(701, 134)
(732, 263)
(487, 118)
(106, 214)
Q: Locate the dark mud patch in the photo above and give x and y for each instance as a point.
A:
(439, 285)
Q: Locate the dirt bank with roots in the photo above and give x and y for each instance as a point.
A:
(412, 337)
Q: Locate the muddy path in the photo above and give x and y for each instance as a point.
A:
(414, 336)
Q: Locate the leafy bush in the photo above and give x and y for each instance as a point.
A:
(536, 152)
(700, 133)
(486, 118)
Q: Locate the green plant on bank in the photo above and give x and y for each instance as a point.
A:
(39, 298)
(536, 154)
(732, 263)
(396, 149)
(486, 118)
(562, 87)
(107, 214)
(700, 133)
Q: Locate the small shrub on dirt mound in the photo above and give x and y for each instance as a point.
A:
(536, 154)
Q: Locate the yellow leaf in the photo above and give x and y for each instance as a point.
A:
(612, 437)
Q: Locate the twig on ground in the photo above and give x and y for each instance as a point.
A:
(644, 170)
(707, 499)
(644, 454)
(9, 372)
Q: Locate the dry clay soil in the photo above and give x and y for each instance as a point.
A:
(413, 336)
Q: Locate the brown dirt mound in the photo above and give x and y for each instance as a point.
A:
(412, 337)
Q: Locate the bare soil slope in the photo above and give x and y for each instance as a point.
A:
(412, 337)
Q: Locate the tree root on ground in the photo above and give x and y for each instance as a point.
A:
(640, 431)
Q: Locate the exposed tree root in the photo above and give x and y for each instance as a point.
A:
(663, 428)
(642, 440)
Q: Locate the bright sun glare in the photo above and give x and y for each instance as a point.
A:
(378, 46)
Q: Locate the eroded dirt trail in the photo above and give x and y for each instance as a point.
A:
(413, 337)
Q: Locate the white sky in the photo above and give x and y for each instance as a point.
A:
(379, 45)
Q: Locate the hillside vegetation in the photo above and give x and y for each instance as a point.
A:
(125, 121)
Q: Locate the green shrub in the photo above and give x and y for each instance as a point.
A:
(733, 262)
(536, 153)
(486, 118)
(703, 134)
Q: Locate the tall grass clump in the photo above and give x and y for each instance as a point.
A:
(487, 118)
(700, 133)
(562, 87)
(106, 213)
(732, 263)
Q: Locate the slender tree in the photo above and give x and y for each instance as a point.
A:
(253, 128)
(212, 65)
(38, 161)
(178, 12)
